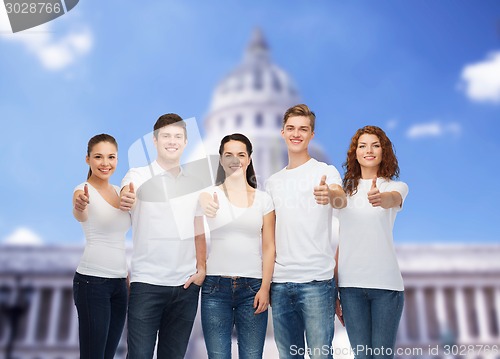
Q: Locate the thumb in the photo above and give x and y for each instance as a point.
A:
(374, 183)
(86, 190)
(131, 187)
(323, 180)
(216, 199)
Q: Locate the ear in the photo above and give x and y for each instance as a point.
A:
(87, 160)
(283, 133)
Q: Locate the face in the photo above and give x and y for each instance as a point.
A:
(102, 160)
(369, 151)
(170, 143)
(235, 159)
(297, 133)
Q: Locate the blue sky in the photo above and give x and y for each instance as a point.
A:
(426, 71)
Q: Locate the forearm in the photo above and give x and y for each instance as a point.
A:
(337, 196)
(390, 199)
(200, 245)
(80, 216)
(268, 258)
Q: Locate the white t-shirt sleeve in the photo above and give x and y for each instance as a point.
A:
(267, 204)
(333, 176)
(80, 187)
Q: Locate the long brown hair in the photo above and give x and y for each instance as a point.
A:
(103, 137)
(389, 168)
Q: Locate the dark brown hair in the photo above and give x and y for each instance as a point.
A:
(388, 169)
(169, 119)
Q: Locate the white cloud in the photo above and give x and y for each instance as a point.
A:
(482, 79)
(434, 129)
(23, 236)
(53, 53)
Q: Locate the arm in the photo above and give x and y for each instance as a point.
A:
(261, 300)
(385, 199)
(337, 196)
(332, 194)
(201, 254)
(80, 202)
(338, 307)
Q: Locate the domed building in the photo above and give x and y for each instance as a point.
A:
(251, 100)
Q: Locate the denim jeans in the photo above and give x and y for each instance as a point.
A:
(164, 312)
(304, 307)
(101, 304)
(371, 319)
(228, 303)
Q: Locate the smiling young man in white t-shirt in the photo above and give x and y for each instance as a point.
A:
(303, 292)
(167, 268)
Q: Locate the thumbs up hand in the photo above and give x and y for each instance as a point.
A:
(82, 200)
(127, 197)
(374, 195)
(209, 204)
(321, 192)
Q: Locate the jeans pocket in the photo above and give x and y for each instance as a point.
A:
(208, 288)
(254, 285)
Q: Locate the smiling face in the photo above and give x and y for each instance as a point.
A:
(170, 143)
(235, 159)
(369, 152)
(102, 160)
(297, 133)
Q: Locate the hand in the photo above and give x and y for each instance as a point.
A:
(82, 200)
(210, 205)
(127, 199)
(374, 195)
(261, 301)
(321, 192)
(196, 278)
(338, 311)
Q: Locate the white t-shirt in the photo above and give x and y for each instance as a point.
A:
(304, 246)
(367, 258)
(162, 225)
(105, 228)
(236, 237)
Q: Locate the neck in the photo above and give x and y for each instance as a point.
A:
(297, 159)
(369, 173)
(236, 183)
(174, 167)
(97, 182)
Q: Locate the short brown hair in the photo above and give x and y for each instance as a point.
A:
(169, 119)
(299, 110)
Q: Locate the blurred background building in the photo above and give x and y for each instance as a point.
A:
(452, 291)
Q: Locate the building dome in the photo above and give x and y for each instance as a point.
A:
(251, 100)
(255, 84)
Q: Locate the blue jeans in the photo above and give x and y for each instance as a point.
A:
(228, 303)
(101, 304)
(371, 318)
(304, 307)
(164, 312)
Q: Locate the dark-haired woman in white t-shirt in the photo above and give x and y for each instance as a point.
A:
(369, 280)
(241, 258)
(100, 282)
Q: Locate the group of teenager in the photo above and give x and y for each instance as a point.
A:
(266, 248)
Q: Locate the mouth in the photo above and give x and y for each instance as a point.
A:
(369, 158)
(295, 141)
(171, 149)
(104, 170)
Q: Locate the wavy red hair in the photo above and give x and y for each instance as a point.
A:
(389, 168)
